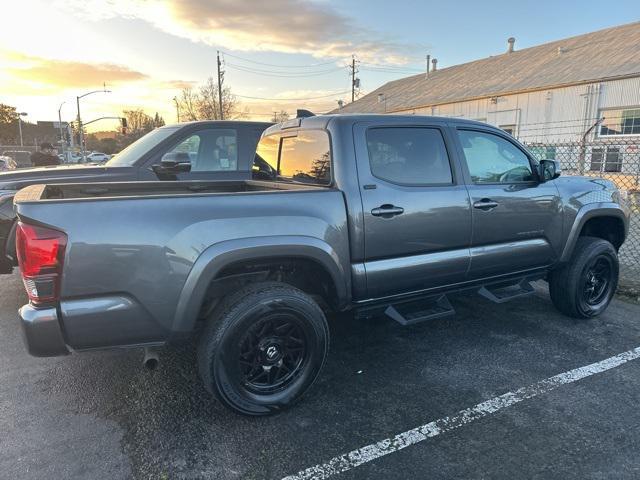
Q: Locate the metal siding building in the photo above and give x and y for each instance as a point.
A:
(535, 90)
(552, 97)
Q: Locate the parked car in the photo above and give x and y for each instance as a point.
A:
(218, 150)
(353, 212)
(22, 158)
(97, 157)
(7, 163)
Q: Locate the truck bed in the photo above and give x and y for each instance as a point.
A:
(76, 191)
(132, 246)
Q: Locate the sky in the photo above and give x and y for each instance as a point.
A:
(277, 54)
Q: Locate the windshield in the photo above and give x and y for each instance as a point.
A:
(133, 152)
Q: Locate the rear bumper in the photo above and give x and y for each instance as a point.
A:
(42, 332)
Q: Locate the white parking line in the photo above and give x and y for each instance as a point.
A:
(355, 458)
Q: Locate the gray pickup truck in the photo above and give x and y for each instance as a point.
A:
(357, 212)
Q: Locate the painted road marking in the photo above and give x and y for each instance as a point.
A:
(355, 458)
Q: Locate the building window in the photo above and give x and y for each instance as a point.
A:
(623, 121)
(606, 159)
(510, 129)
(613, 162)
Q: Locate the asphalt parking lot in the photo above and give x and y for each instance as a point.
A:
(100, 415)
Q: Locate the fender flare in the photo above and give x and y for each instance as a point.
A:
(586, 213)
(216, 257)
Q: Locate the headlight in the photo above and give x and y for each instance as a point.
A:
(621, 196)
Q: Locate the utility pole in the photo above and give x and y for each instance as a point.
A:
(355, 82)
(353, 78)
(80, 127)
(220, 78)
(20, 115)
(62, 141)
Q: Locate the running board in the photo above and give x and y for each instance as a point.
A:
(421, 310)
(504, 294)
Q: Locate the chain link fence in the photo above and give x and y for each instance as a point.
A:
(616, 159)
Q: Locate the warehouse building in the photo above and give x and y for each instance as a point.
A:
(576, 99)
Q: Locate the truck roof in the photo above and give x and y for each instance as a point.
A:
(322, 121)
(219, 123)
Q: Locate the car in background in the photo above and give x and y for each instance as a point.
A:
(7, 163)
(20, 157)
(199, 151)
(97, 157)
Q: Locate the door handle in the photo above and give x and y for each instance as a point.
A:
(485, 204)
(387, 210)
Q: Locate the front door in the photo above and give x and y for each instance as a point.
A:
(417, 216)
(517, 220)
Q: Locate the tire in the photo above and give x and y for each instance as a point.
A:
(262, 348)
(584, 287)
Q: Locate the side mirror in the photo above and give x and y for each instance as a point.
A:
(549, 170)
(172, 164)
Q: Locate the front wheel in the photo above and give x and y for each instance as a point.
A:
(263, 347)
(584, 287)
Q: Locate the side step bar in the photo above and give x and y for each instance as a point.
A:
(421, 310)
(416, 309)
(506, 293)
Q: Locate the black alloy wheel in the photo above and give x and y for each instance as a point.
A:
(263, 347)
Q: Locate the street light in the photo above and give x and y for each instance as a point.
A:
(62, 142)
(175, 99)
(20, 115)
(104, 90)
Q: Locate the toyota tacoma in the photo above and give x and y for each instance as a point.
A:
(374, 214)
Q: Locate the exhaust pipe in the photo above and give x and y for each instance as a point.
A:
(151, 359)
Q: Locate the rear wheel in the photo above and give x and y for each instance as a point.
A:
(263, 348)
(584, 287)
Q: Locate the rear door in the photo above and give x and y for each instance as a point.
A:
(516, 219)
(417, 216)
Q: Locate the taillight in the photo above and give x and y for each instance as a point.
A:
(40, 254)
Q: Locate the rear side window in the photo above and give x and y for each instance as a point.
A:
(306, 158)
(409, 156)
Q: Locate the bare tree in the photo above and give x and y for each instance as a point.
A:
(188, 102)
(203, 103)
(138, 124)
(280, 116)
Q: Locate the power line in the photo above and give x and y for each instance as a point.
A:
(271, 73)
(292, 99)
(279, 66)
(373, 66)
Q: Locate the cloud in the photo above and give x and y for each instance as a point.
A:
(289, 26)
(46, 73)
(178, 84)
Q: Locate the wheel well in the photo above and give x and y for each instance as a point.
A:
(607, 228)
(305, 274)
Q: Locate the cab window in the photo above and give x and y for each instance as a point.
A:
(212, 150)
(265, 164)
(306, 158)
